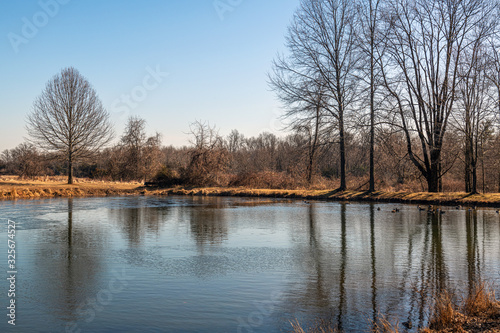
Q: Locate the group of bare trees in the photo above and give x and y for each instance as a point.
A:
(422, 68)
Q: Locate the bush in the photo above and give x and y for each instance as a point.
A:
(167, 177)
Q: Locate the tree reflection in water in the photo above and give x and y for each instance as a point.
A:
(68, 263)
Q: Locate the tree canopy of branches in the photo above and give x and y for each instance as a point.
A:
(68, 117)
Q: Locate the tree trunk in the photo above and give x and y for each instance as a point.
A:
(343, 185)
(372, 111)
(433, 174)
(309, 169)
(312, 151)
(474, 178)
(440, 179)
(70, 168)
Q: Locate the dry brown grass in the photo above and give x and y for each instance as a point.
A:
(444, 315)
(482, 302)
(13, 187)
(383, 325)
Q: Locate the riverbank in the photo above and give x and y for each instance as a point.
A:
(463, 199)
(12, 188)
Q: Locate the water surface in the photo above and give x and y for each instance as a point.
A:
(194, 264)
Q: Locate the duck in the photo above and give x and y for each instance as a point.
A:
(408, 324)
(378, 208)
(420, 208)
(393, 211)
(497, 211)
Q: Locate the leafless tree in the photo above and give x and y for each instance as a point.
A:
(305, 102)
(475, 105)
(132, 142)
(323, 53)
(209, 157)
(68, 117)
(425, 46)
(140, 157)
(369, 41)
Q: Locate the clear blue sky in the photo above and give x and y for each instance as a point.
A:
(217, 60)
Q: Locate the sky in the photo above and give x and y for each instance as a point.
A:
(170, 62)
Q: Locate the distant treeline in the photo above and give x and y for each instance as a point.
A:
(265, 161)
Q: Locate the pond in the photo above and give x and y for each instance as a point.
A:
(197, 264)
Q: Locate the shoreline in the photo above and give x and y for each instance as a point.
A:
(14, 190)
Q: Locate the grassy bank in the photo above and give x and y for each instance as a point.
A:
(13, 188)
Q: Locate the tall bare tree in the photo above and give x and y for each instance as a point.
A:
(322, 49)
(426, 45)
(475, 105)
(68, 117)
(368, 40)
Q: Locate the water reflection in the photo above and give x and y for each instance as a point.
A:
(68, 264)
(207, 223)
(140, 218)
(473, 258)
(373, 261)
(349, 276)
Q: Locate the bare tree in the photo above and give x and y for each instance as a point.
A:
(322, 45)
(475, 104)
(368, 41)
(140, 157)
(305, 101)
(209, 157)
(68, 117)
(132, 142)
(494, 76)
(425, 47)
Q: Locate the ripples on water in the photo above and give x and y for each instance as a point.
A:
(184, 264)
